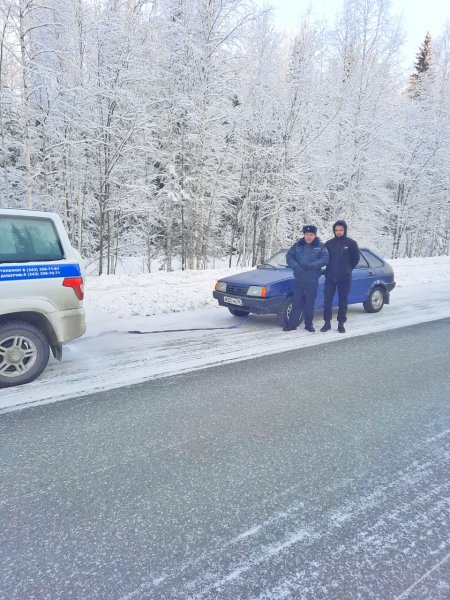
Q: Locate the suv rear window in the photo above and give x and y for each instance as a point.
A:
(28, 239)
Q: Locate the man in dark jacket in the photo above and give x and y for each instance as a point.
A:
(344, 256)
(306, 257)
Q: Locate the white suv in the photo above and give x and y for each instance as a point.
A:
(41, 293)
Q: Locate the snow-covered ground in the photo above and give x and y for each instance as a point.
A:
(108, 356)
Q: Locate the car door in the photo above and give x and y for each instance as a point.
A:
(361, 281)
(320, 292)
(376, 266)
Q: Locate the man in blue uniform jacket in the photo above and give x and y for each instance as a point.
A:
(306, 258)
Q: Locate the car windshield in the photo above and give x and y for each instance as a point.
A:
(278, 260)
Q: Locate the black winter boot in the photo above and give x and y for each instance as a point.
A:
(326, 326)
(310, 328)
(341, 327)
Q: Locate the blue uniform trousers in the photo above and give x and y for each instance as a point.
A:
(303, 302)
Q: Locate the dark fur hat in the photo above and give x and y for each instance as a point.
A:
(310, 229)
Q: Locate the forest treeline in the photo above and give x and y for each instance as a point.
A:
(193, 130)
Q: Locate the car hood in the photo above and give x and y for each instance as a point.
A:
(259, 277)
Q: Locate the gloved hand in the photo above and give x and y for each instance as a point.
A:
(297, 271)
(304, 266)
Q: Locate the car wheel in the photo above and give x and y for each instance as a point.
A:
(285, 312)
(237, 312)
(375, 300)
(24, 353)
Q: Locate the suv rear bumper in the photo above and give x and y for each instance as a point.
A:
(67, 324)
(259, 306)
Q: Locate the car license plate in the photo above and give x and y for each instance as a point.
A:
(236, 301)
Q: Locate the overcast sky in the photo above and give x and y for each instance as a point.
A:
(419, 16)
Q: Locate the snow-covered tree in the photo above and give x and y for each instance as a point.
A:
(191, 130)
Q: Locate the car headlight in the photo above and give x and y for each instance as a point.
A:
(221, 286)
(256, 290)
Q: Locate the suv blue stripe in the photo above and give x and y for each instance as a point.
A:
(45, 271)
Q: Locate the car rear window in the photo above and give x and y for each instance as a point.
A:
(373, 260)
(28, 239)
(362, 263)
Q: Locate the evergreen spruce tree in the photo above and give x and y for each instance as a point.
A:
(422, 67)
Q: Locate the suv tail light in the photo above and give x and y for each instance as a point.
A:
(75, 283)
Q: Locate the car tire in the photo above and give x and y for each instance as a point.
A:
(285, 311)
(375, 300)
(24, 353)
(237, 312)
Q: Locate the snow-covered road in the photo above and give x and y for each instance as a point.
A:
(109, 357)
(317, 474)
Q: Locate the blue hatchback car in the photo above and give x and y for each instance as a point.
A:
(268, 288)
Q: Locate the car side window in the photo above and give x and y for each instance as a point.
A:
(362, 264)
(373, 260)
(26, 239)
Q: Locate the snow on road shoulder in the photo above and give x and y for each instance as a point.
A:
(153, 293)
(108, 356)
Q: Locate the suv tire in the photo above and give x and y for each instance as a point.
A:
(24, 353)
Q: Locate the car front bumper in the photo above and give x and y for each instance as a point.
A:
(259, 306)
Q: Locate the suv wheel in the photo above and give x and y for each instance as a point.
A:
(24, 353)
(285, 312)
(375, 300)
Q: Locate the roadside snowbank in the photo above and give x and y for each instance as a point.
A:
(153, 293)
(181, 291)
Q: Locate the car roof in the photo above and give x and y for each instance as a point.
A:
(27, 212)
(364, 248)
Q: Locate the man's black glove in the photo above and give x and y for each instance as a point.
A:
(298, 270)
(304, 266)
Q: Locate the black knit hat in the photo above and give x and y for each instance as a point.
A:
(309, 229)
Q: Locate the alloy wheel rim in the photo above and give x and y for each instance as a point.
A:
(18, 354)
(377, 299)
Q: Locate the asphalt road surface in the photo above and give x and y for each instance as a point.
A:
(321, 473)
